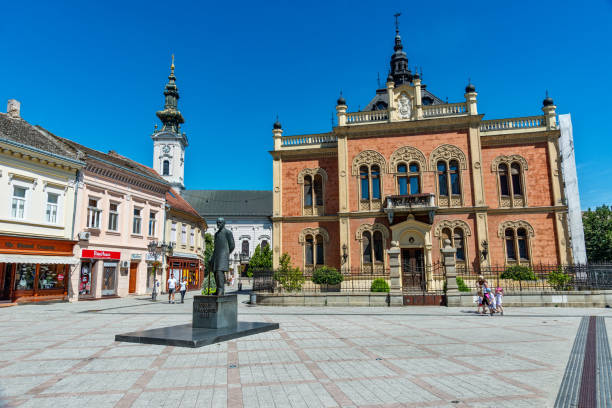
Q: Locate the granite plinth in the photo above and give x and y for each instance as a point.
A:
(215, 312)
(185, 335)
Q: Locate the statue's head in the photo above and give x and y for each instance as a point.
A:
(220, 222)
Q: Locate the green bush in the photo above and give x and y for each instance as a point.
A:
(289, 278)
(261, 259)
(379, 285)
(461, 285)
(325, 275)
(206, 290)
(559, 280)
(518, 273)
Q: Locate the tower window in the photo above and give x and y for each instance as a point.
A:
(166, 168)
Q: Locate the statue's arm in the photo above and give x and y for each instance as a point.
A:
(230, 241)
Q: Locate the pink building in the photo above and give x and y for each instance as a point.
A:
(120, 209)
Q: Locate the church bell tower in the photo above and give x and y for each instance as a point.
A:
(169, 143)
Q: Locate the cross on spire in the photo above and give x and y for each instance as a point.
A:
(396, 15)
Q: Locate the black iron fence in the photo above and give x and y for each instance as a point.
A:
(538, 278)
(353, 280)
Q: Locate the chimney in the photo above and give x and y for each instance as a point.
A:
(13, 108)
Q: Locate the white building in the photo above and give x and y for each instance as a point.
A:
(247, 214)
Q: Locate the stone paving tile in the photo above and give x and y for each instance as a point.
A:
(312, 343)
(461, 349)
(440, 365)
(262, 345)
(14, 354)
(274, 373)
(267, 356)
(550, 352)
(98, 401)
(115, 381)
(500, 363)
(381, 341)
(195, 360)
(331, 354)
(188, 377)
(385, 391)
(16, 386)
(63, 353)
(354, 369)
(474, 386)
(123, 363)
(399, 351)
(287, 395)
(547, 381)
(135, 350)
(311, 335)
(211, 397)
(28, 367)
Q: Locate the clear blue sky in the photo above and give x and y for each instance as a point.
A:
(94, 72)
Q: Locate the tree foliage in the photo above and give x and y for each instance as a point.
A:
(210, 247)
(261, 259)
(598, 234)
(289, 278)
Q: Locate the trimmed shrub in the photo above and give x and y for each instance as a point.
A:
(325, 275)
(289, 278)
(461, 285)
(379, 285)
(518, 273)
(560, 280)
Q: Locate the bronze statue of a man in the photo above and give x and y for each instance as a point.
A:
(219, 262)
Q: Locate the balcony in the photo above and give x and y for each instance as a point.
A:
(410, 203)
(244, 258)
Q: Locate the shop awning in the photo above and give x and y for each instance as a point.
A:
(38, 259)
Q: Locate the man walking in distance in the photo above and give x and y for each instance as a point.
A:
(171, 288)
(219, 261)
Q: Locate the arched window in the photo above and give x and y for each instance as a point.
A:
(459, 244)
(375, 176)
(408, 179)
(245, 247)
(378, 246)
(454, 177)
(313, 190)
(319, 251)
(367, 168)
(264, 244)
(448, 161)
(372, 238)
(314, 251)
(510, 175)
(309, 251)
(365, 182)
(503, 179)
(521, 236)
(456, 231)
(442, 180)
(166, 168)
(516, 236)
(510, 249)
(366, 243)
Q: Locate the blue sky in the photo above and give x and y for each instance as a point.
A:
(94, 72)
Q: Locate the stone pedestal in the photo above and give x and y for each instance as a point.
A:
(215, 312)
(452, 292)
(395, 293)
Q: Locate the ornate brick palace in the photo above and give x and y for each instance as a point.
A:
(417, 170)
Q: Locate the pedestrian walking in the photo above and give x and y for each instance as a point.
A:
(486, 295)
(499, 295)
(171, 288)
(183, 290)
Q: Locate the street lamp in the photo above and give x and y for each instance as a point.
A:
(156, 249)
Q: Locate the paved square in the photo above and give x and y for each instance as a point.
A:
(64, 355)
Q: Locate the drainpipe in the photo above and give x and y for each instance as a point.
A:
(74, 208)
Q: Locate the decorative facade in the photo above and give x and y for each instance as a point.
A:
(413, 169)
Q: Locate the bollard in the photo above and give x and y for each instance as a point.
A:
(253, 299)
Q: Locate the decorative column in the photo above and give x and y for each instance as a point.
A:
(452, 292)
(395, 275)
(470, 99)
(391, 106)
(341, 110)
(418, 104)
(277, 211)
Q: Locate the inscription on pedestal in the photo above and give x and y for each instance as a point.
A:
(215, 312)
(205, 310)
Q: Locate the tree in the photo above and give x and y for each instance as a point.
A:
(210, 247)
(598, 234)
(261, 259)
(289, 278)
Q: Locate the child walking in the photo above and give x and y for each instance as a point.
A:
(499, 295)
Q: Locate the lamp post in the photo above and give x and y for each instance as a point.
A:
(156, 249)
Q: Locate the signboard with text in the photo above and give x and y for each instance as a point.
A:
(99, 254)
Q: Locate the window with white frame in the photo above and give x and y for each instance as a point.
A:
(152, 223)
(137, 224)
(173, 232)
(18, 203)
(113, 217)
(184, 234)
(192, 237)
(93, 213)
(51, 212)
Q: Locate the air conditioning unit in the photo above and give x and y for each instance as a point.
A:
(125, 264)
(84, 236)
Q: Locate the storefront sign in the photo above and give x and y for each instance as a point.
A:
(26, 246)
(136, 257)
(97, 254)
(60, 277)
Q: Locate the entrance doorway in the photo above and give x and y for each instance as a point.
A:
(6, 277)
(413, 269)
(133, 272)
(108, 279)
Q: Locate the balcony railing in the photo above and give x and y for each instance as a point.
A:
(354, 118)
(244, 258)
(409, 202)
(526, 122)
(302, 140)
(447, 109)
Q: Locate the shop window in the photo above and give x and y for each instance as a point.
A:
(108, 278)
(137, 223)
(93, 214)
(24, 276)
(113, 217)
(51, 212)
(85, 279)
(51, 277)
(166, 168)
(152, 223)
(19, 202)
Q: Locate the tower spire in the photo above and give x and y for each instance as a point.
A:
(171, 117)
(399, 61)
